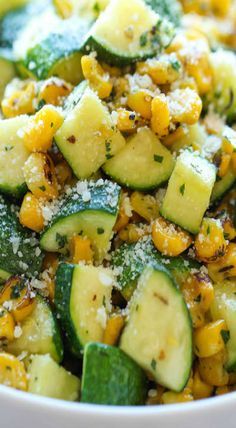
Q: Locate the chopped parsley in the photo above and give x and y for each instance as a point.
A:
(143, 39)
(208, 230)
(225, 334)
(16, 290)
(108, 150)
(61, 240)
(8, 148)
(100, 230)
(153, 364)
(175, 64)
(41, 104)
(43, 188)
(182, 189)
(158, 158)
(96, 7)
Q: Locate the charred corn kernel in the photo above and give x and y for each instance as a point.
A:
(212, 369)
(94, 73)
(185, 106)
(224, 165)
(81, 250)
(221, 390)
(155, 395)
(226, 265)
(220, 8)
(64, 8)
(160, 120)
(170, 397)
(53, 91)
(63, 172)
(40, 177)
(31, 215)
(198, 293)
(121, 87)
(112, 70)
(125, 213)
(132, 233)
(7, 325)
(208, 339)
(141, 103)
(38, 134)
(127, 121)
(210, 243)
(229, 229)
(18, 293)
(20, 102)
(169, 239)
(145, 205)
(50, 264)
(113, 330)
(12, 372)
(163, 70)
(172, 138)
(201, 389)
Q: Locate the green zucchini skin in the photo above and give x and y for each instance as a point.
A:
(22, 259)
(169, 9)
(111, 377)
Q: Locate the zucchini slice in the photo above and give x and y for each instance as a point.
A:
(158, 333)
(40, 333)
(128, 31)
(189, 191)
(20, 252)
(13, 155)
(82, 300)
(169, 9)
(111, 377)
(88, 137)
(91, 210)
(223, 185)
(224, 307)
(143, 164)
(47, 378)
(7, 72)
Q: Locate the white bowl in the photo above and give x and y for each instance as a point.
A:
(22, 410)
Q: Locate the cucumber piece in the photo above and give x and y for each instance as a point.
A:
(130, 260)
(189, 191)
(7, 72)
(57, 54)
(111, 377)
(169, 9)
(82, 299)
(20, 253)
(128, 31)
(40, 333)
(143, 152)
(75, 96)
(87, 137)
(224, 307)
(223, 93)
(223, 185)
(158, 333)
(13, 155)
(90, 210)
(47, 378)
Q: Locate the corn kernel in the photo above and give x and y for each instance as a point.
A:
(201, 389)
(50, 264)
(38, 134)
(225, 267)
(7, 325)
(40, 177)
(169, 239)
(164, 70)
(210, 243)
(132, 233)
(113, 330)
(185, 106)
(141, 102)
(81, 250)
(64, 8)
(224, 165)
(94, 73)
(160, 120)
(172, 138)
(63, 173)
(12, 372)
(208, 339)
(31, 215)
(20, 102)
(18, 293)
(212, 369)
(127, 121)
(53, 91)
(145, 205)
(170, 397)
(125, 213)
(221, 390)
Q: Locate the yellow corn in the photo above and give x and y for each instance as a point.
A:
(94, 73)
(212, 369)
(185, 106)
(63, 172)
(220, 8)
(132, 233)
(185, 396)
(113, 330)
(53, 91)
(64, 8)
(162, 71)
(18, 293)
(81, 250)
(208, 339)
(7, 325)
(225, 267)
(172, 138)
(12, 372)
(112, 70)
(141, 102)
(127, 121)
(155, 398)
(31, 215)
(40, 177)
(20, 102)
(121, 87)
(125, 213)
(221, 390)
(224, 164)
(38, 134)
(227, 146)
(145, 205)
(200, 388)
(160, 120)
(210, 243)
(229, 229)
(201, 71)
(169, 239)
(50, 264)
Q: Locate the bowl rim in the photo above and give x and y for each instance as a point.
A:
(86, 410)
